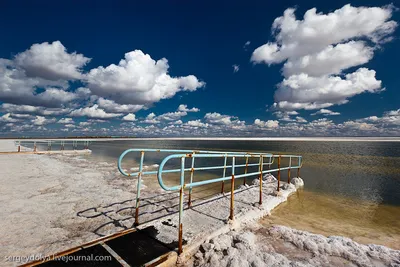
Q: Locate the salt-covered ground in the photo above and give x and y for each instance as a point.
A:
(282, 246)
(51, 203)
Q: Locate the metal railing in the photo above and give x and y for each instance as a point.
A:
(50, 143)
(264, 159)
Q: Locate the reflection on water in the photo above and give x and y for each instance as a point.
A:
(351, 188)
(364, 221)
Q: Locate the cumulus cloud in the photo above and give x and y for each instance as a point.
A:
(197, 123)
(138, 79)
(151, 119)
(40, 120)
(129, 117)
(183, 107)
(326, 112)
(51, 61)
(93, 112)
(27, 109)
(111, 106)
(7, 118)
(308, 92)
(171, 116)
(270, 124)
(65, 121)
(319, 48)
(216, 118)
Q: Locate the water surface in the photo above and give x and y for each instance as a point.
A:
(351, 188)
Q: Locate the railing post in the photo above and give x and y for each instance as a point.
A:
(261, 175)
(279, 172)
(191, 181)
(180, 238)
(232, 189)
(245, 170)
(298, 170)
(139, 183)
(290, 165)
(224, 174)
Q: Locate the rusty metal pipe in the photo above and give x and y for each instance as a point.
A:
(224, 173)
(261, 175)
(191, 181)
(139, 183)
(245, 170)
(231, 215)
(180, 237)
(279, 172)
(290, 165)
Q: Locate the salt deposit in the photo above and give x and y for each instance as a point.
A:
(283, 246)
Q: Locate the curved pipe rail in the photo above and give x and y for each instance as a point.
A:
(264, 159)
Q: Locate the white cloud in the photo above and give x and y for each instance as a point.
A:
(326, 112)
(235, 68)
(51, 61)
(297, 38)
(40, 120)
(331, 60)
(270, 124)
(7, 118)
(183, 107)
(151, 119)
(33, 110)
(129, 117)
(324, 45)
(93, 112)
(246, 44)
(66, 121)
(171, 116)
(111, 106)
(138, 79)
(304, 91)
(197, 123)
(285, 115)
(178, 122)
(300, 119)
(216, 118)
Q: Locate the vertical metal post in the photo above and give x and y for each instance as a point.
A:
(279, 172)
(245, 170)
(191, 181)
(298, 170)
(290, 165)
(139, 183)
(261, 175)
(19, 146)
(223, 182)
(269, 162)
(232, 189)
(180, 238)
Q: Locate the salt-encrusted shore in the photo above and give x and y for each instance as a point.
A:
(54, 202)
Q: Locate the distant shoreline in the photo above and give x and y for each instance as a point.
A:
(320, 139)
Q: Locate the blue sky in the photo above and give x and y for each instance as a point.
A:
(199, 68)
